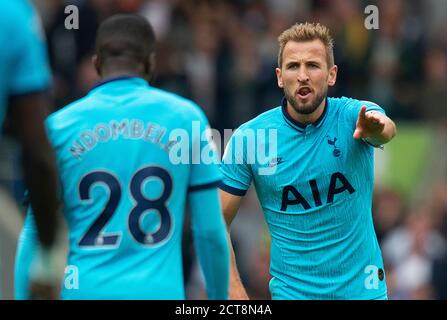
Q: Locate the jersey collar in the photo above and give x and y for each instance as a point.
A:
(298, 125)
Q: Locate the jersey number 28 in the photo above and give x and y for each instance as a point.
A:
(95, 238)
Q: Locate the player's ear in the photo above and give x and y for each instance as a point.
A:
(332, 75)
(95, 62)
(279, 77)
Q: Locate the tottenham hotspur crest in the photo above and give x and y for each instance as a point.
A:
(336, 152)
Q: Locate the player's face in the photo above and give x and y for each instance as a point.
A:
(304, 75)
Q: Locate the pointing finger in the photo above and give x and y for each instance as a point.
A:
(362, 113)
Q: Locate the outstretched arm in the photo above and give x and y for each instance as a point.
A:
(374, 127)
(230, 206)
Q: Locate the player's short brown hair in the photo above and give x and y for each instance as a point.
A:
(301, 32)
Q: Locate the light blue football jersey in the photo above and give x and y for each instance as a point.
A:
(124, 197)
(315, 187)
(23, 59)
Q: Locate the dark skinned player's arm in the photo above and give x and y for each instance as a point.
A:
(27, 113)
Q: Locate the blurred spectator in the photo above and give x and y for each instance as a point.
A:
(409, 252)
(388, 212)
(434, 85)
(396, 64)
(439, 271)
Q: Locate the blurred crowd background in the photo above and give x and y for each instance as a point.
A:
(222, 54)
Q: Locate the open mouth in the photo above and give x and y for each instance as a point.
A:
(304, 92)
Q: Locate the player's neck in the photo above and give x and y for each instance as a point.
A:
(115, 72)
(306, 118)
